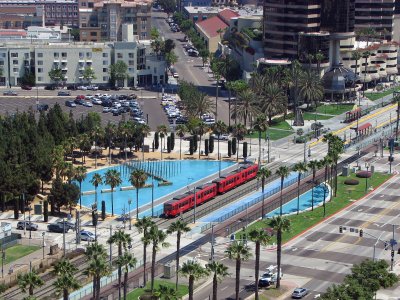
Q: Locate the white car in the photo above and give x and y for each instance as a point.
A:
(88, 104)
(87, 236)
(175, 75)
(82, 87)
(106, 109)
(96, 101)
(93, 87)
(117, 105)
(222, 137)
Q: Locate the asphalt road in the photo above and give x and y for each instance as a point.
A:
(27, 99)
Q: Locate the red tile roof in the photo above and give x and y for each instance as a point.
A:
(221, 21)
(211, 26)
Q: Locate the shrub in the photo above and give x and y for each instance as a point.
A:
(364, 174)
(351, 182)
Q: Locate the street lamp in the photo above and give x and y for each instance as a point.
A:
(129, 209)
(3, 257)
(397, 98)
(43, 245)
(366, 176)
(30, 228)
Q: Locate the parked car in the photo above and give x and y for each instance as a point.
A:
(79, 101)
(106, 109)
(63, 93)
(93, 87)
(26, 87)
(72, 87)
(70, 103)
(299, 293)
(10, 93)
(96, 101)
(115, 88)
(106, 103)
(50, 87)
(104, 87)
(133, 88)
(262, 282)
(87, 236)
(28, 225)
(80, 97)
(87, 104)
(42, 107)
(68, 224)
(82, 87)
(59, 228)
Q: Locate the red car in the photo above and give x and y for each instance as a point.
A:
(26, 87)
(80, 97)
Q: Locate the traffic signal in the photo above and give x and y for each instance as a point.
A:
(398, 251)
(361, 233)
(386, 245)
(340, 229)
(392, 253)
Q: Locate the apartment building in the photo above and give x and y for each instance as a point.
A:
(16, 59)
(56, 12)
(103, 20)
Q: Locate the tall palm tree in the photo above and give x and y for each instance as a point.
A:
(126, 261)
(313, 165)
(274, 100)
(239, 131)
(319, 56)
(260, 125)
(219, 128)
(143, 130)
(194, 271)
(279, 225)
(201, 129)
(96, 134)
(125, 130)
(95, 250)
(282, 172)
(110, 131)
(97, 268)
(356, 56)
(80, 175)
(326, 162)
(84, 146)
(263, 174)
(311, 88)
(138, 179)
(239, 252)
(113, 179)
(259, 237)
(179, 227)
(143, 225)
(96, 181)
(30, 281)
(219, 271)
(65, 284)
(157, 238)
(365, 55)
(180, 130)
(166, 293)
(300, 168)
(247, 108)
(163, 130)
(122, 239)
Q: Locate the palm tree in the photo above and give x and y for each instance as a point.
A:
(143, 225)
(110, 131)
(319, 56)
(201, 129)
(80, 175)
(96, 134)
(166, 293)
(261, 125)
(366, 55)
(300, 168)
(125, 130)
(144, 131)
(279, 225)
(180, 130)
(163, 130)
(138, 179)
(282, 172)
(355, 55)
(326, 162)
(95, 250)
(84, 145)
(313, 165)
(219, 128)
(219, 271)
(126, 261)
(239, 131)
(194, 271)
(259, 237)
(179, 227)
(98, 267)
(65, 284)
(274, 100)
(96, 181)
(247, 108)
(239, 252)
(263, 174)
(30, 280)
(113, 179)
(157, 237)
(122, 239)
(311, 88)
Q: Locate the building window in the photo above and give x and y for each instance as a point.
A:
(119, 55)
(40, 62)
(56, 55)
(131, 70)
(2, 55)
(14, 54)
(105, 70)
(88, 54)
(64, 54)
(130, 55)
(105, 54)
(40, 70)
(81, 55)
(26, 55)
(93, 33)
(40, 79)
(105, 78)
(15, 62)
(131, 63)
(15, 70)
(1, 62)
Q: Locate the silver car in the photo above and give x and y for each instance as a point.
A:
(299, 293)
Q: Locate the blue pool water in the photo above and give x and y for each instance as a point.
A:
(305, 202)
(272, 187)
(176, 172)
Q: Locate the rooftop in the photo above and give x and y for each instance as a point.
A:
(19, 2)
(244, 11)
(211, 26)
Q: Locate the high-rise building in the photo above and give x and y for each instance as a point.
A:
(377, 14)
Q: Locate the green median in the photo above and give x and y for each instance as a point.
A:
(16, 252)
(135, 294)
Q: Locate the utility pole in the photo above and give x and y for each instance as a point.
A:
(110, 245)
(212, 243)
(63, 237)
(77, 227)
(392, 243)
(396, 98)
(194, 210)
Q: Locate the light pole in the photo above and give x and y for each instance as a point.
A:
(152, 196)
(366, 176)
(129, 209)
(195, 204)
(63, 237)
(30, 229)
(43, 245)
(396, 98)
(3, 257)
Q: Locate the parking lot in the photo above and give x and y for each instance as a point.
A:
(25, 100)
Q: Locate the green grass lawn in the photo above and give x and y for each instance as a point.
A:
(15, 252)
(135, 294)
(334, 109)
(311, 116)
(281, 125)
(345, 195)
(379, 95)
(276, 131)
